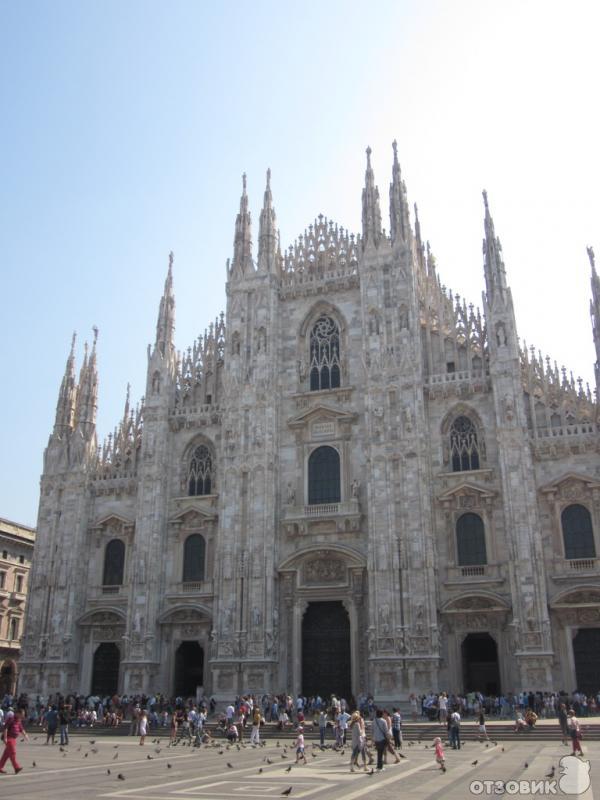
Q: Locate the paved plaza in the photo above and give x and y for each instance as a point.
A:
(159, 772)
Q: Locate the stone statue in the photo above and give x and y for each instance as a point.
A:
(256, 616)
(355, 487)
(291, 495)
(501, 334)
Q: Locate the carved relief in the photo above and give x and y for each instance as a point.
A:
(324, 570)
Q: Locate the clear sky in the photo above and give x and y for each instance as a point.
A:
(125, 128)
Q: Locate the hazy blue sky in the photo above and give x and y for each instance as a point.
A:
(126, 126)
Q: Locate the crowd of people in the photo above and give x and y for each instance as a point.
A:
(348, 721)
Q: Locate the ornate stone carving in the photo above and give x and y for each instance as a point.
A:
(324, 570)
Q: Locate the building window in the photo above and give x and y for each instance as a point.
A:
(464, 447)
(14, 629)
(324, 355)
(21, 559)
(324, 476)
(470, 540)
(19, 583)
(200, 472)
(2, 579)
(578, 534)
(114, 563)
(5, 554)
(194, 553)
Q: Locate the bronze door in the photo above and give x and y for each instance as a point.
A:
(586, 651)
(326, 651)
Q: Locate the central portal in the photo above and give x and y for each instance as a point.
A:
(189, 669)
(326, 651)
(480, 664)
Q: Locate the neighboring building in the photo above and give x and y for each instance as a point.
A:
(16, 554)
(354, 481)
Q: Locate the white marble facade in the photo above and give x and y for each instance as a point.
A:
(433, 411)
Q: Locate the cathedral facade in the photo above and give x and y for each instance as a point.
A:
(354, 481)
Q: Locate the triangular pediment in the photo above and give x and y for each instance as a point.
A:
(466, 488)
(320, 412)
(193, 513)
(114, 520)
(571, 477)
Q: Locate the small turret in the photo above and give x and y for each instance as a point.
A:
(371, 212)
(595, 315)
(242, 243)
(165, 325)
(67, 396)
(87, 393)
(268, 239)
(495, 274)
(399, 221)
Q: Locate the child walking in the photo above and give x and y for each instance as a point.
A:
(439, 753)
(300, 746)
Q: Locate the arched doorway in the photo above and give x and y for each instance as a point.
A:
(8, 677)
(481, 672)
(586, 652)
(189, 669)
(105, 670)
(326, 650)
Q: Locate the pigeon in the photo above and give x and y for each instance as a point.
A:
(149, 757)
(94, 749)
(120, 776)
(116, 755)
(229, 765)
(108, 772)
(259, 770)
(474, 763)
(287, 792)
(371, 772)
(289, 769)
(34, 764)
(61, 748)
(92, 741)
(401, 755)
(443, 768)
(169, 766)
(268, 760)
(526, 765)
(283, 755)
(157, 749)
(551, 773)
(85, 755)
(115, 746)
(503, 750)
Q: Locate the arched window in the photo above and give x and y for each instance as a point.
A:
(200, 472)
(578, 534)
(324, 476)
(470, 540)
(114, 563)
(464, 447)
(324, 355)
(194, 551)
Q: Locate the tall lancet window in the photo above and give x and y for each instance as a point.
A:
(200, 472)
(324, 355)
(464, 447)
(114, 563)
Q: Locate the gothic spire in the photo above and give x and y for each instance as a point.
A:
(399, 223)
(419, 241)
(165, 325)
(495, 274)
(371, 213)
(595, 315)
(267, 232)
(67, 395)
(87, 392)
(242, 241)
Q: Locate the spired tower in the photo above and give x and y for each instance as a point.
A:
(354, 482)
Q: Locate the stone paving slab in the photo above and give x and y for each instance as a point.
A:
(81, 771)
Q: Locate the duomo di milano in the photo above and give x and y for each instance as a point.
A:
(354, 481)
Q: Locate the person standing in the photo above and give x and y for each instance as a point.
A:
(359, 741)
(439, 753)
(322, 726)
(397, 728)
(562, 721)
(455, 730)
(51, 724)
(574, 729)
(380, 737)
(300, 755)
(255, 731)
(143, 726)
(12, 730)
(64, 718)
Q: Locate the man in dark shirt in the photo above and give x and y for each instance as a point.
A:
(52, 724)
(10, 734)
